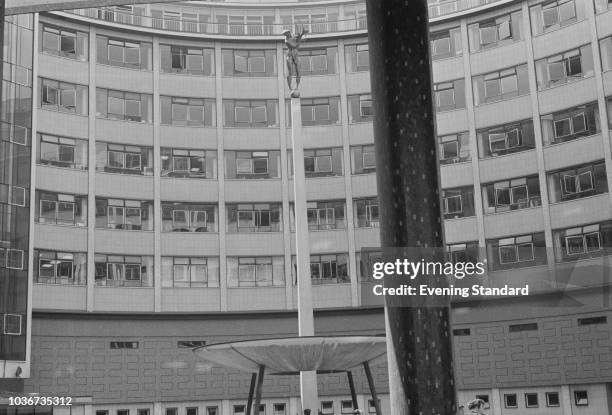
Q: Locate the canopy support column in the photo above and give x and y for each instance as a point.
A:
(352, 387)
(260, 378)
(251, 393)
(368, 373)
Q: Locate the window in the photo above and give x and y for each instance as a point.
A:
(602, 6)
(552, 399)
(571, 124)
(63, 97)
(123, 271)
(372, 407)
(188, 217)
(507, 195)
(63, 42)
(506, 139)
(566, 67)
(15, 133)
(253, 113)
(171, 411)
(550, 16)
(510, 400)
(143, 411)
(252, 164)
(61, 209)
(256, 271)
(500, 85)
(446, 44)
(531, 400)
(587, 321)
(449, 95)
(189, 112)
(329, 269)
(346, 407)
(458, 202)
(62, 151)
(367, 215)
(122, 105)
(249, 62)
(320, 111)
(363, 159)
(516, 251)
(123, 412)
(587, 241)
(212, 410)
(118, 158)
(184, 163)
(318, 61)
(323, 162)
(124, 214)
(13, 195)
(327, 407)
(365, 259)
(186, 59)
(257, 217)
(582, 240)
(325, 215)
(581, 398)
(184, 272)
(497, 31)
(357, 58)
(577, 182)
(11, 258)
(454, 148)
(191, 411)
(125, 53)
(279, 409)
(463, 252)
(605, 48)
(12, 324)
(360, 108)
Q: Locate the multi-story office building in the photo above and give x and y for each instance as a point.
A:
(159, 191)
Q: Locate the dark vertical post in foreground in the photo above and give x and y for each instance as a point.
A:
(251, 393)
(419, 344)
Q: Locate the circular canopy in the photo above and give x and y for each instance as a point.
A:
(295, 354)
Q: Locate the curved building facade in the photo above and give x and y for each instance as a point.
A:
(161, 199)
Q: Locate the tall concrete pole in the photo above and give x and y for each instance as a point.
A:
(308, 380)
(419, 345)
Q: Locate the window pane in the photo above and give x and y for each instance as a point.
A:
(115, 159)
(132, 55)
(240, 63)
(257, 64)
(507, 254)
(562, 128)
(243, 166)
(47, 210)
(260, 165)
(115, 53)
(68, 43)
(574, 245)
(65, 212)
(243, 114)
(132, 161)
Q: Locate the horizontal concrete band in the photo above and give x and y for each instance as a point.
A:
(34, 6)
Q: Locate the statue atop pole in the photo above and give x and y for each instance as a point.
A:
(293, 43)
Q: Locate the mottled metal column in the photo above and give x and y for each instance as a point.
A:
(419, 343)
